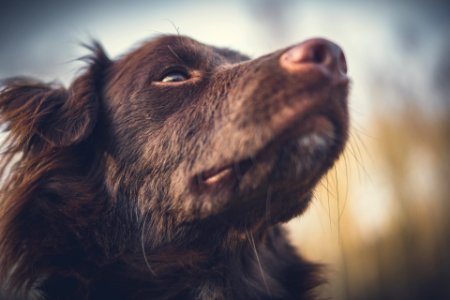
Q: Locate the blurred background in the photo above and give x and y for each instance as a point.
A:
(379, 219)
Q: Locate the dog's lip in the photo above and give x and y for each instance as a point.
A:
(217, 175)
(214, 176)
(222, 174)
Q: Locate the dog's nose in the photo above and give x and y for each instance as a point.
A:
(319, 52)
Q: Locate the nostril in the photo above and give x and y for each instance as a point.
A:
(342, 63)
(318, 54)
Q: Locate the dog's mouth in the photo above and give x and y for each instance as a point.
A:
(311, 135)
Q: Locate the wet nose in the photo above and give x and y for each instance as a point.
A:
(318, 52)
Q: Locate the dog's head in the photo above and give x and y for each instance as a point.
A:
(207, 131)
(176, 133)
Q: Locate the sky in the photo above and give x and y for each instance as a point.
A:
(43, 38)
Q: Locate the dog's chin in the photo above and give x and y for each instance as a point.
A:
(281, 181)
(279, 178)
(298, 156)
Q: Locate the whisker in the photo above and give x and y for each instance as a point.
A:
(252, 242)
(328, 200)
(144, 254)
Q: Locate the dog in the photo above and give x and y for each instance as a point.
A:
(167, 173)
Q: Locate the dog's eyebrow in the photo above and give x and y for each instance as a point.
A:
(175, 54)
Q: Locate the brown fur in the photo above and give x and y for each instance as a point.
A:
(105, 192)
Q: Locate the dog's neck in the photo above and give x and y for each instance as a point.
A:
(261, 268)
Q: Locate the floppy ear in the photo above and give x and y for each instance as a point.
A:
(39, 115)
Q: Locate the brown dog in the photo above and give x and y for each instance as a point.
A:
(165, 174)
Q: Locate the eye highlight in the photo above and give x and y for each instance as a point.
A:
(175, 76)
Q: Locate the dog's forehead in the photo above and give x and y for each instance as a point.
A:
(175, 41)
(187, 48)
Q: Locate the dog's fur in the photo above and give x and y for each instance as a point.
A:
(129, 186)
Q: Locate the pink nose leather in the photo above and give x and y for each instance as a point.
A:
(318, 52)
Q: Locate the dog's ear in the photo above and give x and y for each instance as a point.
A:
(39, 115)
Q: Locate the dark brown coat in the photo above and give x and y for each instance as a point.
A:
(165, 174)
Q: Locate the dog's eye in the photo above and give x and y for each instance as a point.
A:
(175, 76)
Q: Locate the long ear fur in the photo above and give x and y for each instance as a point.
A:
(39, 115)
(38, 167)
